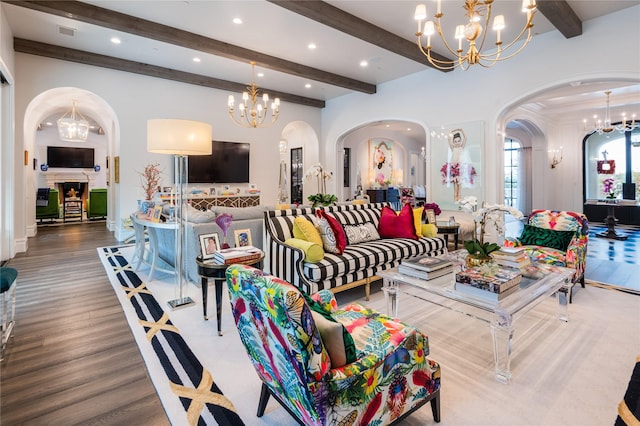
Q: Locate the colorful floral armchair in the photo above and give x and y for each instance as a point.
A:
(390, 377)
(542, 242)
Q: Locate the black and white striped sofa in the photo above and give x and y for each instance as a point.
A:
(358, 264)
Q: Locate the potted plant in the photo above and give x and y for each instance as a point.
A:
(149, 180)
(477, 248)
(321, 175)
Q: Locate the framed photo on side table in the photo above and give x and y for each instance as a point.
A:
(431, 216)
(209, 244)
(156, 213)
(243, 237)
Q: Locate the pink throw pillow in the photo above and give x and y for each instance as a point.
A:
(394, 225)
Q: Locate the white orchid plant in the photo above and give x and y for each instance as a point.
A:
(488, 214)
(322, 175)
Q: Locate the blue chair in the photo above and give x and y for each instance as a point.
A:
(393, 197)
(8, 280)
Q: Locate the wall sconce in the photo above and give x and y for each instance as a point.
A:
(556, 157)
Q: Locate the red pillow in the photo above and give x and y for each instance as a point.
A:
(394, 225)
(336, 227)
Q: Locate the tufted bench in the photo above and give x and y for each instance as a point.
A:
(8, 279)
(358, 264)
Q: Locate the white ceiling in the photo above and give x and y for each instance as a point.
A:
(273, 30)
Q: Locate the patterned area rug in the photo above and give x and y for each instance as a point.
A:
(187, 389)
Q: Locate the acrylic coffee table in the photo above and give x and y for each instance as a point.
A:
(501, 316)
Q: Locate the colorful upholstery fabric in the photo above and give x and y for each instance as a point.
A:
(391, 376)
(575, 255)
(559, 240)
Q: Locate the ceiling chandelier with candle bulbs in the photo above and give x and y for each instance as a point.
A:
(252, 113)
(603, 126)
(475, 34)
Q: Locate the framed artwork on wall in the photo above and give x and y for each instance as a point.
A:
(457, 163)
(380, 162)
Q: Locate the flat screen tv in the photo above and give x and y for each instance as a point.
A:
(228, 163)
(62, 156)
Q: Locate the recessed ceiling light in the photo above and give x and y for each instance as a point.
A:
(364, 63)
(388, 125)
(48, 123)
(312, 46)
(308, 85)
(196, 59)
(115, 40)
(260, 74)
(237, 21)
(408, 129)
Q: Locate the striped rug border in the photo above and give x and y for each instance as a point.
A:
(201, 398)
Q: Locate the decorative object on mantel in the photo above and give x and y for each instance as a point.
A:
(254, 115)
(321, 175)
(181, 138)
(44, 167)
(606, 166)
(603, 127)
(72, 126)
(478, 249)
(472, 32)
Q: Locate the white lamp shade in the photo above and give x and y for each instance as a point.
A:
(179, 137)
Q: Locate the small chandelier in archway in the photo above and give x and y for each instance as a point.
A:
(72, 126)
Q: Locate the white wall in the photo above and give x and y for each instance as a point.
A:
(135, 99)
(608, 49)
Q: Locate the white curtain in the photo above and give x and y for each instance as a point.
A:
(524, 181)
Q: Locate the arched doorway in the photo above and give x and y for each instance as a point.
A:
(53, 103)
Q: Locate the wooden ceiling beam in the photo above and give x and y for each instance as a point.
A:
(88, 58)
(126, 23)
(345, 22)
(560, 14)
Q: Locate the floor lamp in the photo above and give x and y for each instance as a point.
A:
(181, 138)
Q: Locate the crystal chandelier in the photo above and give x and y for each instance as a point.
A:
(605, 126)
(474, 34)
(72, 126)
(254, 115)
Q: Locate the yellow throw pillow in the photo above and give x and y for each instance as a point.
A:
(304, 229)
(429, 230)
(417, 220)
(313, 252)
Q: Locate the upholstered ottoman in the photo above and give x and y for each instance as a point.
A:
(8, 278)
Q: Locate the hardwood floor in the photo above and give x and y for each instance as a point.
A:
(72, 358)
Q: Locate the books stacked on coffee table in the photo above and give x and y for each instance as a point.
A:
(433, 269)
(513, 257)
(492, 284)
(244, 254)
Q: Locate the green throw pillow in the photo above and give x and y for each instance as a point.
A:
(339, 345)
(534, 236)
(313, 252)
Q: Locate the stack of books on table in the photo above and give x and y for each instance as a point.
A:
(513, 257)
(428, 268)
(237, 255)
(492, 286)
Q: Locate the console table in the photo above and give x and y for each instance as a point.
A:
(139, 226)
(205, 202)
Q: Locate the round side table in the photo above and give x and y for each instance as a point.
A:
(217, 271)
(446, 228)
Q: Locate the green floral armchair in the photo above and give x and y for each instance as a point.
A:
(556, 238)
(291, 341)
